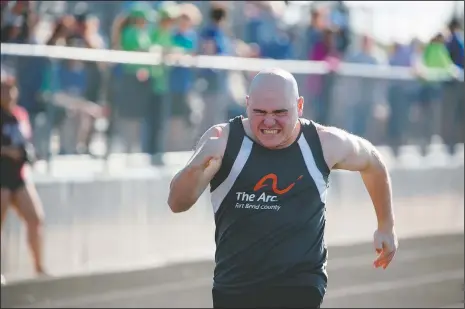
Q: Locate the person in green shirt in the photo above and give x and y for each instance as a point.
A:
(436, 56)
(161, 36)
(135, 36)
(438, 66)
(134, 93)
(158, 109)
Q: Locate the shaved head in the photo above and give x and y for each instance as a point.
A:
(277, 80)
(274, 107)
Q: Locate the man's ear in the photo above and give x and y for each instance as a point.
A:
(247, 101)
(300, 106)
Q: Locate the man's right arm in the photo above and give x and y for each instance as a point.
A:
(189, 183)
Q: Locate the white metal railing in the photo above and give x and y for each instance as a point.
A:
(155, 57)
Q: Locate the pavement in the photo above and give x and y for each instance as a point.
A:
(427, 272)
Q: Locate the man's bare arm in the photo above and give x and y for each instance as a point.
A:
(346, 151)
(189, 183)
(349, 152)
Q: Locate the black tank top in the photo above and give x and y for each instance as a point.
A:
(269, 210)
(11, 136)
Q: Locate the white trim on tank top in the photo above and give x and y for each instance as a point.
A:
(312, 168)
(218, 195)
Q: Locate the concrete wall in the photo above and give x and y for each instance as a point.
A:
(101, 223)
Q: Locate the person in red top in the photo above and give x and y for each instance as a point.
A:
(16, 190)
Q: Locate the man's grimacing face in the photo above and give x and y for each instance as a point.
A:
(273, 109)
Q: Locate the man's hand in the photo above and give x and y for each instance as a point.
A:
(212, 163)
(207, 166)
(386, 244)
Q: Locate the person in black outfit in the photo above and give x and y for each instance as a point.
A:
(16, 191)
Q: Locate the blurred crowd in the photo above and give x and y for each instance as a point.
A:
(152, 109)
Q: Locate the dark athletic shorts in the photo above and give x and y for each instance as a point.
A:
(11, 180)
(276, 297)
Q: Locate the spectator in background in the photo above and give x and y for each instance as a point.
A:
(455, 44)
(18, 19)
(87, 35)
(182, 78)
(72, 78)
(254, 19)
(266, 27)
(365, 54)
(311, 36)
(314, 32)
(3, 13)
(70, 85)
(279, 47)
(120, 23)
(452, 112)
(435, 56)
(213, 41)
(340, 20)
(400, 96)
(114, 80)
(262, 18)
(157, 110)
(16, 188)
(54, 115)
(364, 90)
(85, 32)
(135, 87)
(320, 85)
(19, 23)
(29, 71)
(237, 107)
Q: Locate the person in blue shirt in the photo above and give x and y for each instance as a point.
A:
(279, 47)
(452, 122)
(401, 95)
(71, 80)
(363, 90)
(214, 41)
(181, 78)
(455, 43)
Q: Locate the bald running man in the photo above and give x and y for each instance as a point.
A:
(268, 176)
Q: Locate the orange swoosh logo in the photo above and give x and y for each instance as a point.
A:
(274, 184)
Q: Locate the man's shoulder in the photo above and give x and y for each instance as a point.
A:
(336, 143)
(217, 134)
(331, 136)
(235, 127)
(307, 122)
(304, 121)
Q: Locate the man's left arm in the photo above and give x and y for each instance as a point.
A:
(346, 151)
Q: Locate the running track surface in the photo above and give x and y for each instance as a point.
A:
(427, 272)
